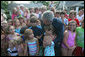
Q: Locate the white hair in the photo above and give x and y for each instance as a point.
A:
(48, 15)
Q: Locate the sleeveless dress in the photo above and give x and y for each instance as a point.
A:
(70, 41)
(49, 50)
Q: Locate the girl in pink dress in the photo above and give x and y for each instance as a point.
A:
(68, 44)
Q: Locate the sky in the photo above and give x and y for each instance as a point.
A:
(19, 2)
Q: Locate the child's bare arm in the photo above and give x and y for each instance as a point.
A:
(38, 37)
(47, 41)
(75, 40)
(25, 50)
(65, 38)
(38, 47)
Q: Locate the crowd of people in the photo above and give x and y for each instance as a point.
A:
(42, 32)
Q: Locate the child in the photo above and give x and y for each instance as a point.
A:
(37, 30)
(20, 46)
(12, 50)
(14, 13)
(64, 20)
(4, 24)
(72, 17)
(28, 23)
(22, 32)
(32, 43)
(17, 26)
(22, 21)
(48, 42)
(19, 14)
(79, 51)
(12, 32)
(26, 13)
(10, 22)
(68, 44)
(4, 43)
(38, 23)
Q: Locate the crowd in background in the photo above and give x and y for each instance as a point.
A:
(42, 32)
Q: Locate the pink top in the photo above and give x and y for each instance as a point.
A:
(13, 16)
(70, 41)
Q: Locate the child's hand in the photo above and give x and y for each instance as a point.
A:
(38, 37)
(72, 47)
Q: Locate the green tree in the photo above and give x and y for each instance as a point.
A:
(4, 6)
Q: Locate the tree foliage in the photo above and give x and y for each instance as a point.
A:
(4, 6)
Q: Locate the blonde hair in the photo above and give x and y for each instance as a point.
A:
(19, 40)
(26, 10)
(14, 42)
(27, 33)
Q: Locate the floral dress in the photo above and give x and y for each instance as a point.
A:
(49, 50)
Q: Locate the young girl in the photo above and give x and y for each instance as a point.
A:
(12, 50)
(48, 42)
(32, 43)
(68, 44)
(26, 13)
(37, 30)
(22, 21)
(79, 51)
(4, 43)
(14, 14)
(12, 34)
(20, 46)
(17, 26)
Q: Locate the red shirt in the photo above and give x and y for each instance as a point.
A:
(77, 21)
(67, 16)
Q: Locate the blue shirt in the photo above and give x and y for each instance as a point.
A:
(18, 30)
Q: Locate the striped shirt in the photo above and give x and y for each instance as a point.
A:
(12, 52)
(32, 46)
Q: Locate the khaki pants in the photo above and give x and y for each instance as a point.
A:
(66, 51)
